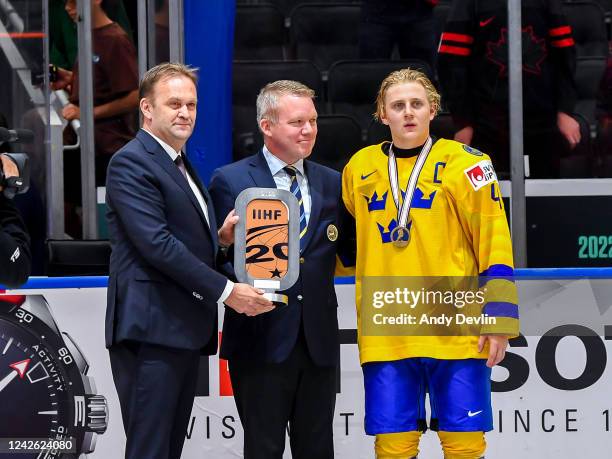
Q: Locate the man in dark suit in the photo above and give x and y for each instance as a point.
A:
(283, 364)
(164, 284)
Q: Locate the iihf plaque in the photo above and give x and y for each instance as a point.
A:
(267, 241)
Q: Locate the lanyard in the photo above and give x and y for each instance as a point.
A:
(400, 236)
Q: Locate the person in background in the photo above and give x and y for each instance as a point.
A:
(115, 99)
(115, 71)
(408, 24)
(15, 256)
(63, 39)
(473, 72)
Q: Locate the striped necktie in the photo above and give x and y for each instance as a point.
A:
(294, 188)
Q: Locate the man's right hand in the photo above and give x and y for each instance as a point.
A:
(248, 300)
(8, 167)
(465, 135)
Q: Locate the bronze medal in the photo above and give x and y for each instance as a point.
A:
(400, 236)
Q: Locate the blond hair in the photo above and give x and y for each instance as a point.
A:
(406, 76)
(162, 72)
(267, 100)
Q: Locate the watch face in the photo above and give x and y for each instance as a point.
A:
(40, 384)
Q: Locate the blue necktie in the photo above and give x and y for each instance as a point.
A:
(294, 188)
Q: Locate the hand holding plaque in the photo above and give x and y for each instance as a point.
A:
(267, 241)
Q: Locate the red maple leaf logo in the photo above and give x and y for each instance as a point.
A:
(534, 51)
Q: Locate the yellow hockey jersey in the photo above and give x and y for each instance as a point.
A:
(458, 228)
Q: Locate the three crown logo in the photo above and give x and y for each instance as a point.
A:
(376, 204)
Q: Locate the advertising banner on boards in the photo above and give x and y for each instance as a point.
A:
(550, 394)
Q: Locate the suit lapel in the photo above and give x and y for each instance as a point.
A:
(260, 172)
(161, 157)
(209, 206)
(315, 188)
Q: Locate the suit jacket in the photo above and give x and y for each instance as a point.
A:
(270, 337)
(163, 286)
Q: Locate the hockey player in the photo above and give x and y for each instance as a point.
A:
(473, 69)
(428, 207)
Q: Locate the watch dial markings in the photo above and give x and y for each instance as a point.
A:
(37, 373)
(45, 410)
(10, 341)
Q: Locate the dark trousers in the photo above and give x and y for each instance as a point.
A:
(297, 393)
(156, 386)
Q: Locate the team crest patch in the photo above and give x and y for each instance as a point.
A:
(472, 151)
(481, 174)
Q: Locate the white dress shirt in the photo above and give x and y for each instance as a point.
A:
(283, 179)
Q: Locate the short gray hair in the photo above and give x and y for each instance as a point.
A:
(267, 100)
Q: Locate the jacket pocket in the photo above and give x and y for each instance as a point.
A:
(144, 274)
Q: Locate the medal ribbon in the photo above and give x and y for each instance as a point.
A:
(403, 211)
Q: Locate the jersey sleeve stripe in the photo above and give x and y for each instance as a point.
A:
(446, 49)
(498, 271)
(457, 37)
(558, 31)
(494, 272)
(501, 309)
(565, 43)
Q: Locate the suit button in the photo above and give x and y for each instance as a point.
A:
(301, 260)
(300, 297)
